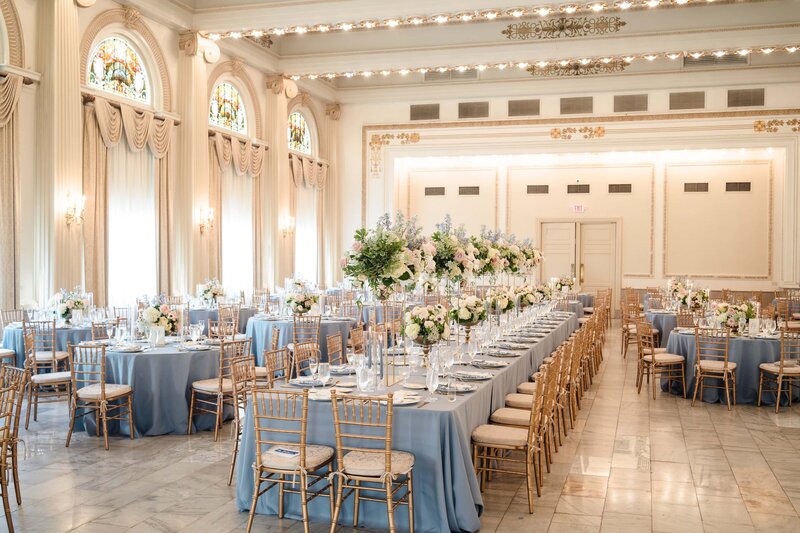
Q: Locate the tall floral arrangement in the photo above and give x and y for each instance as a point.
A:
(565, 281)
(211, 291)
(674, 287)
(699, 299)
(301, 302)
(488, 260)
(455, 254)
(519, 258)
(528, 295)
(69, 301)
(543, 291)
(426, 324)
(468, 311)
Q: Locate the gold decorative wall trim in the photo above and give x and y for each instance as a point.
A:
(235, 67)
(770, 222)
(378, 141)
(776, 125)
(563, 27)
(588, 68)
(16, 41)
(587, 132)
(132, 19)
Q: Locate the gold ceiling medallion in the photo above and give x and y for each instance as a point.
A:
(379, 140)
(775, 125)
(563, 27)
(264, 41)
(587, 132)
(589, 68)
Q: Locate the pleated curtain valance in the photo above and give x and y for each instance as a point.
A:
(308, 171)
(245, 157)
(10, 90)
(141, 127)
(10, 87)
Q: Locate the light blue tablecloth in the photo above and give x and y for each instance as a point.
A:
(575, 306)
(446, 491)
(162, 385)
(663, 322)
(13, 339)
(587, 299)
(260, 331)
(745, 352)
(245, 313)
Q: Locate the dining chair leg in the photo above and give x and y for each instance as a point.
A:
(410, 488)
(30, 401)
(727, 391)
(36, 404)
(233, 458)
(777, 395)
(131, 425)
(256, 486)
(338, 507)
(761, 390)
(15, 473)
(528, 483)
(696, 386)
(6, 506)
(357, 502)
(280, 497)
(304, 500)
(683, 379)
(73, 411)
(733, 375)
(191, 411)
(104, 417)
(389, 504)
(218, 418)
(655, 374)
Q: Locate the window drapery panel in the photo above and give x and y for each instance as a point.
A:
(10, 90)
(308, 171)
(243, 155)
(237, 232)
(306, 248)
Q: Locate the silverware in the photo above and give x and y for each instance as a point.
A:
(425, 402)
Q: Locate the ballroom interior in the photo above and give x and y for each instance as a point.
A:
(357, 265)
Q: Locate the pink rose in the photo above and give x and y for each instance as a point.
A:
(343, 262)
(164, 308)
(357, 246)
(459, 256)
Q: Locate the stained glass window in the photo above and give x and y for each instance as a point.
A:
(116, 67)
(299, 133)
(226, 108)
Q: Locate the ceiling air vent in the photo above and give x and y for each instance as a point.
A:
(616, 188)
(737, 186)
(523, 108)
(745, 97)
(695, 187)
(576, 105)
(469, 191)
(687, 100)
(473, 109)
(538, 189)
(434, 191)
(582, 188)
(425, 112)
(451, 75)
(714, 61)
(628, 103)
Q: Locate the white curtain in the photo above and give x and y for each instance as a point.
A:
(306, 239)
(132, 232)
(237, 231)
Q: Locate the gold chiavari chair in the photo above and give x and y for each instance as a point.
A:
(211, 395)
(306, 329)
(725, 295)
(655, 362)
(99, 331)
(685, 319)
(276, 335)
(261, 302)
(8, 402)
(630, 316)
(280, 420)
(359, 422)
(278, 365)
(9, 316)
(16, 378)
(784, 374)
(222, 329)
(712, 363)
(352, 310)
(303, 353)
(123, 315)
(91, 393)
(655, 303)
(48, 383)
(175, 300)
(244, 376)
(334, 345)
(357, 340)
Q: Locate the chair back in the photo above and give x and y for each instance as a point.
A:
(363, 423)
(9, 399)
(790, 348)
(537, 422)
(123, 314)
(334, 344)
(99, 331)
(303, 353)
(645, 338)
(280, 418)
(261, 302)
(222, 329)
(278, 365)
(276, 336)
(11, 376)
(712, 345)
(306, 329)
(685, 319)
(43, 336)
(174, 300)
(7, 316)
(352, 310)
(243, 375)
(357, 339)
(229, 351)
(655, 303)
(87, 365)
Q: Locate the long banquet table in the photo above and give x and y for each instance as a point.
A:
(447, 495)
(260, 330)
(13, 339)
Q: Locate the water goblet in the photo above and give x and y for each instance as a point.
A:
(313, 365)
(324, 370)
(432, 381)
(110, 330)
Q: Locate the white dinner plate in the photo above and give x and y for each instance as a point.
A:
(414, 386)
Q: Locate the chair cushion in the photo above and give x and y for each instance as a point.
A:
(261, 371)
(715, 366)
(113, 390)
(212, 385)
(796, 316)
(630, 328)
(657, 350)
(47, 356)
(52, 377)
(588, 309)
(793, 324)
(583, 320)
(316, 456)
(547, 360)
(512, 417)
(496, 435)
(665, 358)
(519, 401)
(528, 387)
(360, 463)
(774, 368)
(5, 352)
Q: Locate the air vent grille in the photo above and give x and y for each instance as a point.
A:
(523, 108)
(687, 100)
(425, 112)
(737, 186)
(469, 191)
(434, 191)
(628, 103)
(576, 105)
(714, 61)
(616, 188)
(580, 188)
(695, 187)
(538, 189)
(473, 109)
(451, 75)
(745, 97)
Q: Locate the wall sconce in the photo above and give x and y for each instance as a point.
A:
(75, 210)
(206, 220)
(286, 225)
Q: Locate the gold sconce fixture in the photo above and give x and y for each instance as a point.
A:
(76, 206)
(286, 225)
(206, 220)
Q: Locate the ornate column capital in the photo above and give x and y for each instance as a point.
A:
(333, 111)
(276, 84)
(132, 16)
(189, 42)
(84, 3)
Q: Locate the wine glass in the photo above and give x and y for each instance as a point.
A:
(119, 334)
(110, 330)
(313, 365)
(194, 332)
(432, 380)
(324, 370)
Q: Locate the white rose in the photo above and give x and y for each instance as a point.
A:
(62, 309)
(464, 313)
(412, 330)
(423, 313)
(433, 336)
(502, 303)
(429, 324)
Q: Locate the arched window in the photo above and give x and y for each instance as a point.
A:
(115, 66)
(299, 134)
(226, 108)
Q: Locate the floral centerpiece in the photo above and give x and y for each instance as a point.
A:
(488, 261)
(699, 299)
(426, 325)
(730, 315)
(528, 295)
(211, 291)
(565, 281)
(543, 291)
(468, 312)
(69, 301)
(514, 257)
(301, 302)
(501, 300)
(675, 286)
(682, 295)
(455, 254)
(158, 315)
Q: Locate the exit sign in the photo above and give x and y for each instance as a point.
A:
(578, 208)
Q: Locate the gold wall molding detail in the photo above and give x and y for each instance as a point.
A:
(587, 132)
(563, 27)
(379, 140)
(16, 42)
(597, 66)
(776, 125)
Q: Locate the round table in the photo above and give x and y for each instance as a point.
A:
(260, 330)
(747, 353)
(13, 339)
(664, 322)
(196, 315)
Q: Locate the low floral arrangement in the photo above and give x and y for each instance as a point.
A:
(158, 315)
(565, 281)
(211, 291)
(528, 295)
(69, 301)
(674, 287)
(301, 302)
(682, 295)
(501, 300)
(468, 311)
(426, 324)
(544, 292)
(699, 299)
(729, 315)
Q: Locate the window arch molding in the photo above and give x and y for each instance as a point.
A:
(233, 72)
(128, 24)
(302, 104)
(13, 52)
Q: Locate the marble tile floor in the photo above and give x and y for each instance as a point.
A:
(631, 464)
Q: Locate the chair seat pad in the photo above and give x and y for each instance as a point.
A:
(5, 352)
(657, 350)
(261, 372)
(113, 390)
(519, 401)
(212, 385)
(775, 368)
(793, 324)
(665, 358)
(316, 456)
(496, 435)
(361, 463)
(528, 387)
(507, 416)
(48, 356)
(52, 377)
(547, 360)
(715, 366)
(630, 328)
(588, 309)
(796, 316)
(583, 320)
